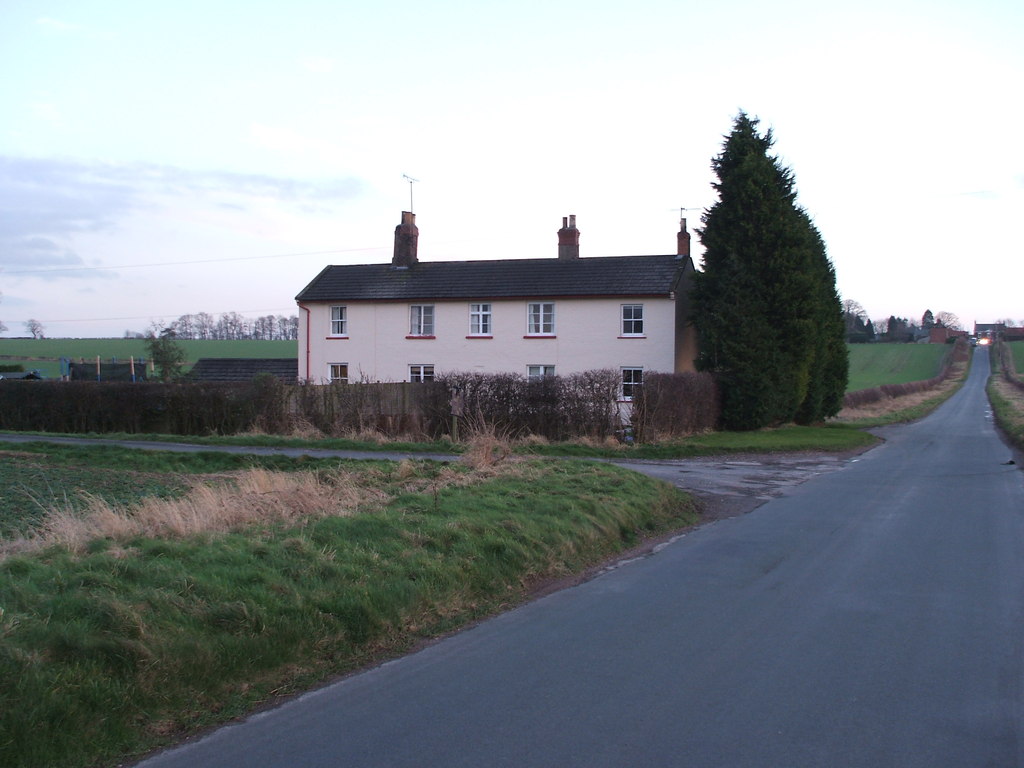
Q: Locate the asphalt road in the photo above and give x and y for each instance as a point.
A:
(872, 616)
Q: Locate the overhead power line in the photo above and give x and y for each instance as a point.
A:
(180, 263)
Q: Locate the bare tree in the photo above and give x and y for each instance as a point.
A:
(185, 327)
(948, 320)
(35, 328)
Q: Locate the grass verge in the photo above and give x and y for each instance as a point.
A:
(1008, 406)
(125, 641)
(831, 437)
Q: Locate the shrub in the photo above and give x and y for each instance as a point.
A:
(674, 405)
(553, 407)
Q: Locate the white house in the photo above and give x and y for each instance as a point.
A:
(411, 320)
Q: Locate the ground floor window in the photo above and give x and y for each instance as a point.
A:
(339, 373)
(421, 373)
(537, 372)
(632, 378)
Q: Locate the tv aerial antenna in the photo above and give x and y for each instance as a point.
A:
(411, 181)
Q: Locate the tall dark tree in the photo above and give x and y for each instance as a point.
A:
(765, 306)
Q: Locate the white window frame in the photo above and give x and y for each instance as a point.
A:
(632, 377)
(540, 318)
(421, 319)
(337, 373)
(339, 320)
(421, 372)
(481, 319)
(632, 319)
(538, 372)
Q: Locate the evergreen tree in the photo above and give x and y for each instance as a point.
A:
(767, 314)
(830, 365)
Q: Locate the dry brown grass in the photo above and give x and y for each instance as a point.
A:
(303, 429)
(248, 498)
(253, 498)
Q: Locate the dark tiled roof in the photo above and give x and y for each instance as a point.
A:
(243, 369)
(510, 278)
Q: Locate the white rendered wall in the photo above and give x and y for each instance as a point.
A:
(587, 336)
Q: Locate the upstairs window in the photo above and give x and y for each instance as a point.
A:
(339, 321)
(540, 319)
(421, 320)
(632, 379)
(538, 372)
(339, 373)
(421, 373)
(480, 319)
(632, 319)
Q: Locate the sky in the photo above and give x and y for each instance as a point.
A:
(163, 159)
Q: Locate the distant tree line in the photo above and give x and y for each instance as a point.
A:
(860, 330)
(229, 326)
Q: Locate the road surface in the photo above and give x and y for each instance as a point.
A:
(872, 616)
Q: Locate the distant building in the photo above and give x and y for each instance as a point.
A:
(995, 331)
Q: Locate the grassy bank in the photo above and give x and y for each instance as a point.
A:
(37, 477)
(1008, 406)
(1007, 399)
(131, 629)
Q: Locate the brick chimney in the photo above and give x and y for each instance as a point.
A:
(569, 239)
(406, 237)
(682, 240)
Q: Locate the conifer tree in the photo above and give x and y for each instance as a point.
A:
(766, 311)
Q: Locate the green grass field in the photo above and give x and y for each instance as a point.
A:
(1017, 347)
(872, 365)
(44, 354)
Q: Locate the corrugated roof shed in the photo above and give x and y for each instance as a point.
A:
(244, 369)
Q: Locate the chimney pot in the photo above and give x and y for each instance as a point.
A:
(406, 241)
(682, 240)
(569, 239)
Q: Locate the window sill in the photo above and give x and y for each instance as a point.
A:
(420, 337)
(337, 338)
(540, 336)
(633, 336)
(480, 336)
